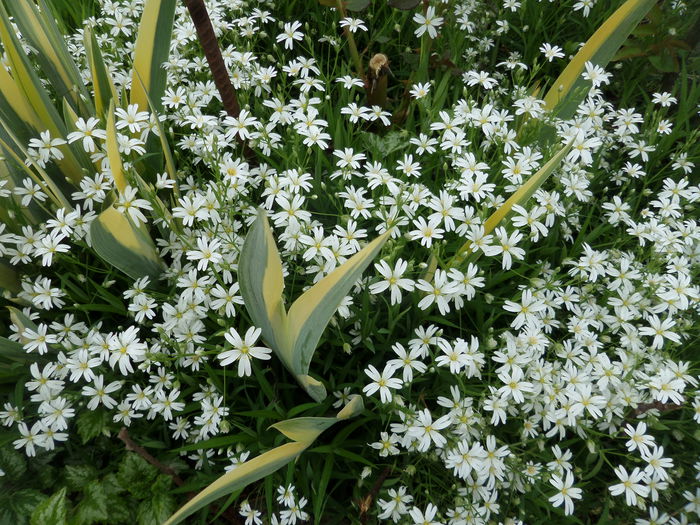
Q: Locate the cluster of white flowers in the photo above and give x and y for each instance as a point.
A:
(561, 364)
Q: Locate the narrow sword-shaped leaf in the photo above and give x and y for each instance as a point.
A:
(102, 82)
(38, 27)
(569, 88)
(125, 246)
(9, 279)
(151, 51)
(245, 474)
(310, 313)
(520, 197)
(262, 286)
(27, 85)
(303, 431)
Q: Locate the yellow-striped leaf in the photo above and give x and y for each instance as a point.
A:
(303, 430)
(23, 90)
(294, 335)
(152, 50)
(102, 83)
(569, 89)
(307, 429)
(520, 197)
(16, 151)
(39, 28)
(262, 285)
(243, 475)
(310, 313)
(26, 77)
(125, 246)
(115, 160)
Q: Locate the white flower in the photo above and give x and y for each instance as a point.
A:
(440, 291)
(665, 99)
(551, 52)
(125, 347)
(566, 492)
(514, 386)
(630, 485)
(353, 24)
(87, 132)
(205, 253)
(420, 90)
(426, 430)
(243, 350)
(428, 23)
(392, 280)
(290, 34)
(129, 204)
(660, 330)
(382, 382)
(425, 232)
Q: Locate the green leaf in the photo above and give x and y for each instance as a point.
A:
(78, 477)
(152, 49)
(125, 246)
(91, 423)
(570, 88)
(160, 506)
(52, 511)
(135, 474)
(23, 503)
(404, 5)
(94, 506)
(12, 462)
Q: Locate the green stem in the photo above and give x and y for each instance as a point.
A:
(351, 42)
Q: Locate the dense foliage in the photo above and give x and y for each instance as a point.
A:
(533, 366)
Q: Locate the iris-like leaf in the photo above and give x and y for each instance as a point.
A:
(38, 27)
(151, 51)
(115, 160)
(262, 286)
(294, 335)
(569, 88)
(102, 82)
(310, 313)
(520, 197)
(303, 431)
(125, 246)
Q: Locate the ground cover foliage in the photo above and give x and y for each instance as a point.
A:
(486, 350)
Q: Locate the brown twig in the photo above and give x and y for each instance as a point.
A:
(366, 503)
(131, 445)
(208, 41)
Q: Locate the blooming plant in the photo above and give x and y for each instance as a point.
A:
(462, 234)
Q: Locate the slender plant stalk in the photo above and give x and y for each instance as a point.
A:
(351, 42)
(207, 39)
